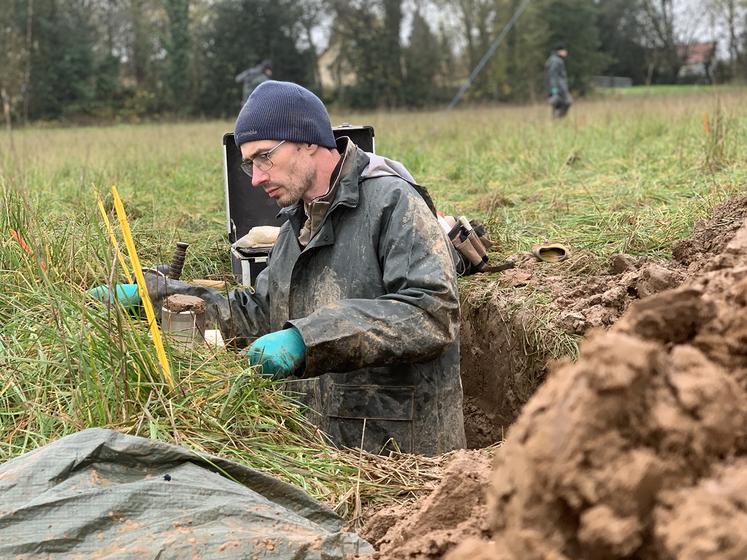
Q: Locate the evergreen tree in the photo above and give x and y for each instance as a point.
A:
(108, 90)
(574, 23)
(63, 79)
(422, 60)
(392, 53)
(138, 45)
(178, 49)
(239, 35)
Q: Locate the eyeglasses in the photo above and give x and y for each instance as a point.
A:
(260, 161)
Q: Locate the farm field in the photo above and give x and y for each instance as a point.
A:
(618, 175)
(624, 174)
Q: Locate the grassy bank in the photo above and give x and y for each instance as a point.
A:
(623, 174)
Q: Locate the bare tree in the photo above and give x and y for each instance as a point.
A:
(476, 17)
(658, 20)
(311, 18)
(668, 27)
(729, 14)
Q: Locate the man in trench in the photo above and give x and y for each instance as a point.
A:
(358, 308)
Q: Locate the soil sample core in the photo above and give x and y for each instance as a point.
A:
(183, 319)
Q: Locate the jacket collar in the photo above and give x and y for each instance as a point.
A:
(348, 191)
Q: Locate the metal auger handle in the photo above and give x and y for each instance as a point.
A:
(177, 260)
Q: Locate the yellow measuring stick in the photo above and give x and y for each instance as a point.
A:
(112, 237)
(150, 315)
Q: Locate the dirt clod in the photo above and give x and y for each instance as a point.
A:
(620, 262)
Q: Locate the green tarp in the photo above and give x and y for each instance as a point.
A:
(102, 494)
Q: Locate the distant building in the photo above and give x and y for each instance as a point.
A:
(334, 71)
(697, 61)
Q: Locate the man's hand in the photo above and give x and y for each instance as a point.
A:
(553, 92)
(279, 353)
(127, 294)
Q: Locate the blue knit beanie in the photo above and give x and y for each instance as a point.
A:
(284, 111)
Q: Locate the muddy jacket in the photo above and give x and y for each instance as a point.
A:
(374, 296)
(556, 79)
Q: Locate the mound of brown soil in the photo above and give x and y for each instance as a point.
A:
(639, 449)
(589, 299)
(711, 236)
(454, 511)
(600, 300)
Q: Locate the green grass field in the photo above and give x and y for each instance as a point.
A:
(671, 90)
(624, 173)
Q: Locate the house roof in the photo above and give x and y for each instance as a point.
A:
(697, 53)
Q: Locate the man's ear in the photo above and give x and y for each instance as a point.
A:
(310, 148)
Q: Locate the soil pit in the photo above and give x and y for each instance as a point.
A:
(514, 323)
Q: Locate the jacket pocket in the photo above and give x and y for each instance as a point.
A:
(379, 416)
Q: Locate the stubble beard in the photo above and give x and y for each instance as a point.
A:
(296, 187)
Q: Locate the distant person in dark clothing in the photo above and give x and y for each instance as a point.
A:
(252, 77)
(556, 82)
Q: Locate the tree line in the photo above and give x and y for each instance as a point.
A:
(131, 59)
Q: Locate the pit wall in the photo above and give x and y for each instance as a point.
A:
(504, 352)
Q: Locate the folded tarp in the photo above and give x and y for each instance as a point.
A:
(102, 494)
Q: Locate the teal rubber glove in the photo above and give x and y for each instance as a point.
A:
(280, 353)
(127, 294)
(553, 92)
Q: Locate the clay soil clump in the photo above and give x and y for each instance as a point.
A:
(453, 512)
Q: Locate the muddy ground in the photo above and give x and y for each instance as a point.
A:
(638, 449)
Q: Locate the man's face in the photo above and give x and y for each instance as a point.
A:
(290, 176)
(562, 52)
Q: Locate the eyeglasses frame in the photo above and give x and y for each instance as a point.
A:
(247, 165)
